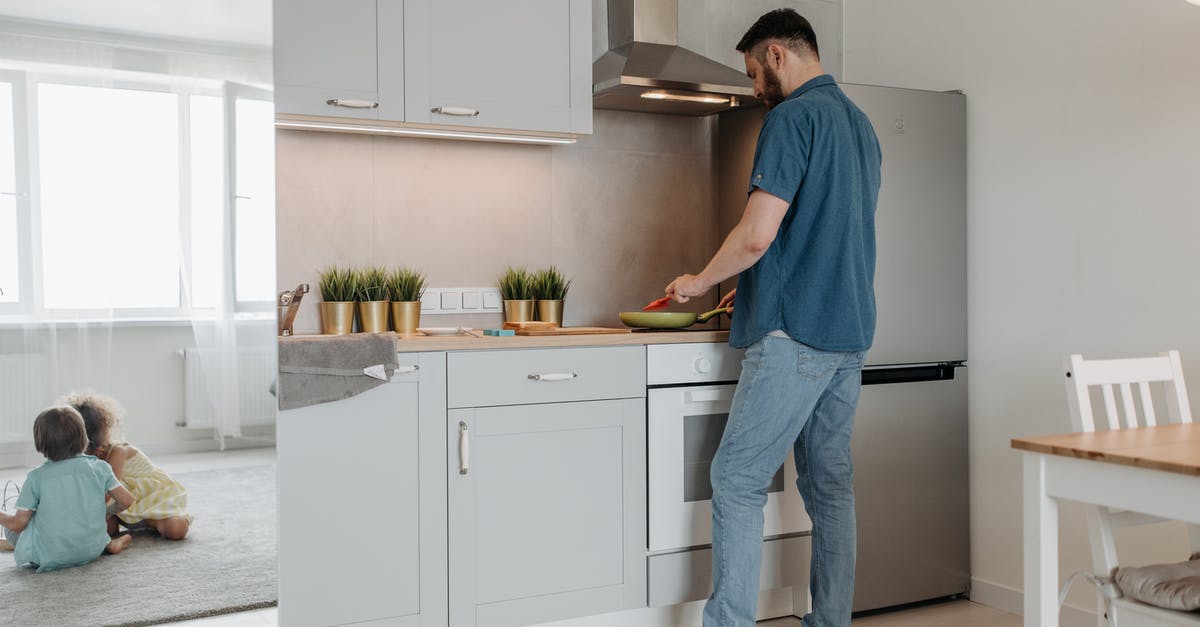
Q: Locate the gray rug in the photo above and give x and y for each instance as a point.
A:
(226, 564)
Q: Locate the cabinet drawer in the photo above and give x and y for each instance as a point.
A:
(687, 575)
(554, 375)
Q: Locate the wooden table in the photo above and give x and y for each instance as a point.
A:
(1153, 470)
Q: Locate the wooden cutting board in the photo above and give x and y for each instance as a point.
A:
(550, 328)
(517, 326)
(569, 331)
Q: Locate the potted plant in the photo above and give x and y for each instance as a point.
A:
(550, 288)
(516, 290)
(338, 286)
(406, 287)
(373, 299)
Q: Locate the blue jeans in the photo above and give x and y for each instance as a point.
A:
(789, 396)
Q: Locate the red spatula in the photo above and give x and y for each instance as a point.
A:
(658, 304)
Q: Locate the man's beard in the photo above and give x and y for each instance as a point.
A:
(772, 88)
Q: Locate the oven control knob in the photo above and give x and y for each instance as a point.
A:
(702, 365)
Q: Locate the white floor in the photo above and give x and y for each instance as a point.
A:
(950, 614)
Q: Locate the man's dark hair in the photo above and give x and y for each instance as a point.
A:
(786, 26)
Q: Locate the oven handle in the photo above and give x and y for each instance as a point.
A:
(711, 395)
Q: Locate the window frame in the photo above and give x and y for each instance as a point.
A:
(30, 306)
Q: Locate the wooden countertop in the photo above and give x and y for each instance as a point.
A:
(1171, 448)
(422, 343)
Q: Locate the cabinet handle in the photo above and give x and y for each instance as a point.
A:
(352, 103)
(409, 368)
(462, 112)
(464, 448)
(553, 376)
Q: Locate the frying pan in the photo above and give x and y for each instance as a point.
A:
(667, 319)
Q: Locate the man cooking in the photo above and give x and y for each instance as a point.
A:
(804, 253)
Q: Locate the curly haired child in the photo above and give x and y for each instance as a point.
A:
(161, 501)
(60, 514)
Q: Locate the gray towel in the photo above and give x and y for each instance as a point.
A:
(321, 369)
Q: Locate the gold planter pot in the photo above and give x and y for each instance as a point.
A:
(373, 316)
(337, 318)
(550, 311)
(518, 310)
(406, 316)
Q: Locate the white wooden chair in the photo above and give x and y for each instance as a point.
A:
(1117, 379)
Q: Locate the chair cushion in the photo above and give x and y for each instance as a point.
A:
(1172, 586)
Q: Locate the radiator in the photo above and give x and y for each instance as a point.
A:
(24, 391)
(255, 374)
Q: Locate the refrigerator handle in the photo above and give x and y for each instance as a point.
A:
(910, 374)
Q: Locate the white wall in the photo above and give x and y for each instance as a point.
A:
(136, 364)
(1083, 145)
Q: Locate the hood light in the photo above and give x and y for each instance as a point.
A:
(666, 95)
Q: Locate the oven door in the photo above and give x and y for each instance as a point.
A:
(684, 428)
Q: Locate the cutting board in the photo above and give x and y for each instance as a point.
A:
(550, 328)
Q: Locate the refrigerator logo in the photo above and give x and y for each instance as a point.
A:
(898, 126)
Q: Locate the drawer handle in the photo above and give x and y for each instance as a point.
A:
(409, 368)
(351, 103)
(464, 448)
(462, 112)
(553, 376)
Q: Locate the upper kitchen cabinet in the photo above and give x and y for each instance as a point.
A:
(520, 65)
(338, 58)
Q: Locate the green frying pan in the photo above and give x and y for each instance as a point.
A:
(667, 319)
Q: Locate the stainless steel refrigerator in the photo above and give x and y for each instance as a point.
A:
(910, 439)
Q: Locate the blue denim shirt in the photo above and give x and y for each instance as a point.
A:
(819, 152)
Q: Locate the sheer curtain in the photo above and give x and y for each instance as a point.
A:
(131, 230)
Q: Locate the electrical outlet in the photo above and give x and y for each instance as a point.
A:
(460, 300)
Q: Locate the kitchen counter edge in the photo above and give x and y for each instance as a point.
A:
(426, 344)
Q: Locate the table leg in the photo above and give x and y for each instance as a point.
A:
(1041, 546)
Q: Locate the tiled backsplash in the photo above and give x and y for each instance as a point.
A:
(622, 212)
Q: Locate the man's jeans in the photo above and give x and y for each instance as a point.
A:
(789, 396)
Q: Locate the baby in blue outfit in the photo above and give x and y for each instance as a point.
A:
(60, 517)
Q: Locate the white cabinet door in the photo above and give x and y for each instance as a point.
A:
(520, 64)
(362, 505)
(325, 51)
(547, 511)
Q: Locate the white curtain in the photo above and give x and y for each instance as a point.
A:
(72, 229)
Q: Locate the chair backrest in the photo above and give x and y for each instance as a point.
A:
(1119, 377)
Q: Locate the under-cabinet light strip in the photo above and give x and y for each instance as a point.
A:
(416, 132)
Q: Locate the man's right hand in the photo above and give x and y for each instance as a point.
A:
(727, 300)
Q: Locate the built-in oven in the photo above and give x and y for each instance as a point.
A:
(690, 392)
(683, 430)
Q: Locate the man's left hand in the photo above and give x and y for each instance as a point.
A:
(687, 286)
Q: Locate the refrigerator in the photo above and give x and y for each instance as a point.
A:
(910, 435)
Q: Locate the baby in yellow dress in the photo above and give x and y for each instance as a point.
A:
(160, 501)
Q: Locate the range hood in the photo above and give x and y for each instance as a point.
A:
(645, 68)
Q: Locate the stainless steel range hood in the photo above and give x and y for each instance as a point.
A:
(645, 69)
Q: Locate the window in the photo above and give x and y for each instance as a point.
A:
(148, 200)
(10, 291)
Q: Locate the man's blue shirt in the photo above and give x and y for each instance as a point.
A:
(819, 152)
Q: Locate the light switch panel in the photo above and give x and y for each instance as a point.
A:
(461, 300)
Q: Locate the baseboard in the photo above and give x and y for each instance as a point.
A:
(1011, 600)
(252, 437)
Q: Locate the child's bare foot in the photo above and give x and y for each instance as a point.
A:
(5, 545)
(118, 544)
